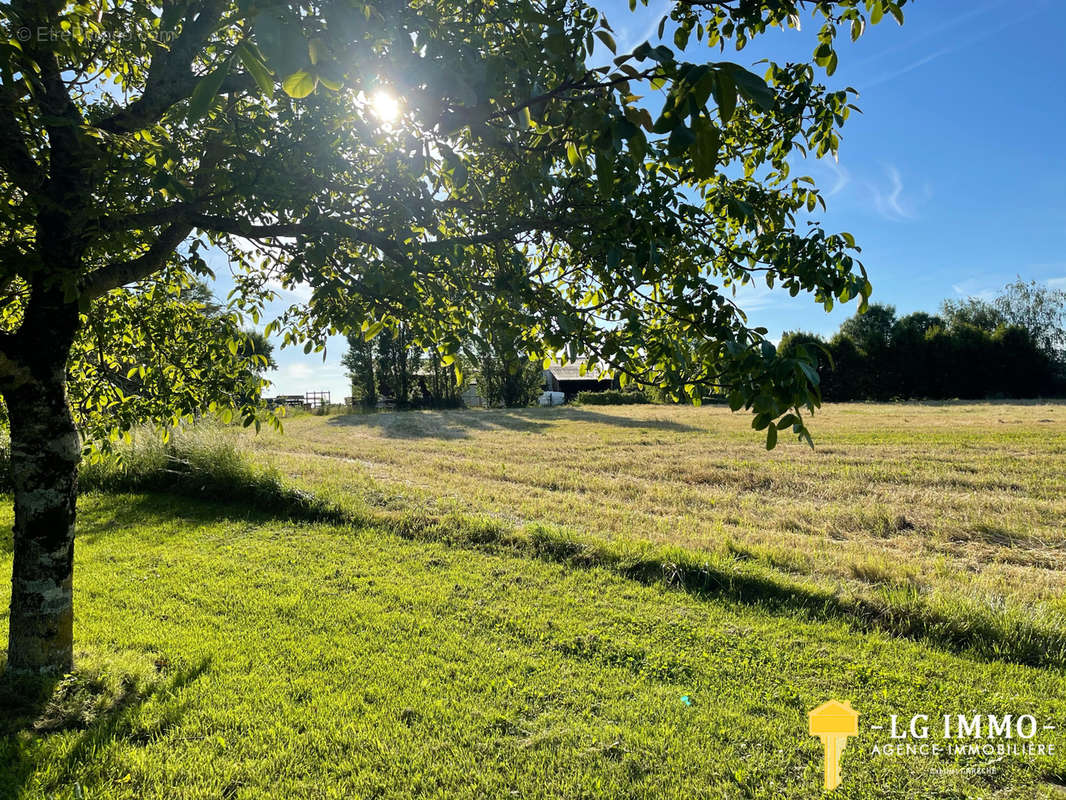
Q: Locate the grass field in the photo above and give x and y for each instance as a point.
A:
(257, 658)
(485, 623)
(965, 499)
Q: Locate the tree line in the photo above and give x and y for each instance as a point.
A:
(1012, 345)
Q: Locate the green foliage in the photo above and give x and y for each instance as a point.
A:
(976, 349)
(157, 353)
(392, 364)
(972, 311)
(358, 361)
(501, 346)
(871, 331)
(519, 166)
(397, 359)
(257, 348)
(1038, 309)
(612, 398)
(509, 380)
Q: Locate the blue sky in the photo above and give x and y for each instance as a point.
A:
(950, 179)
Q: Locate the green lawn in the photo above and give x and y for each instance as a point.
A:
(244, 657)
(602, 603)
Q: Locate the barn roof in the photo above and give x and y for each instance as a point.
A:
(572, 372)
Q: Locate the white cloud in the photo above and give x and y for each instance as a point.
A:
(893, 202)
(626, 44)
(890, 203)
(983, 287)
(841, 177)
(297, 371)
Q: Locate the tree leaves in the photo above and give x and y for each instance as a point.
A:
(159, 353)
(206, 90)
(704, 150)
(725, 95)
(300, 84)
(256, 68)
(281, 39)
(751, 86)
(608, 40)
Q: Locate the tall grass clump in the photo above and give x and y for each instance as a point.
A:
(202, 460)
(202, 455)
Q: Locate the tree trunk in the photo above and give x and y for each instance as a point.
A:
(45, 451)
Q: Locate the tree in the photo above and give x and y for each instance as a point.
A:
(873, 375)
(871, 331)
(359, 362)
(438, 385)
(133, 136)
(396, 361)
(972, 311)
(1038, 309)
(402, 371)
(255, 344)
(912, 368)
(504, 351)
(511, 382)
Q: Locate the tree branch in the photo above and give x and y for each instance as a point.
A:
(120, 273)
(183, 218)
(61, 117)
(170, 77)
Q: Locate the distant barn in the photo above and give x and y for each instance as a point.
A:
(569, 380)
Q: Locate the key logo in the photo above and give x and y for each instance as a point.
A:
(833, 722)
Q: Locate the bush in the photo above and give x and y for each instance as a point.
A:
(612, 397)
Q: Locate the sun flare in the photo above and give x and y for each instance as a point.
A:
(385, 106)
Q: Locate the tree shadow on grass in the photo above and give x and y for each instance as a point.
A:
(90, 709)
(974, 631)
(459, 424)
(183, 507)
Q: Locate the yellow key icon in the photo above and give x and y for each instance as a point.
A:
(833, 723)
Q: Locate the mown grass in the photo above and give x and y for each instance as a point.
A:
(205, 461)
(506, 645)
(946, 501)
(230, 654)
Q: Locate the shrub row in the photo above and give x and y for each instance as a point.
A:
(612, 397)
(920, 356)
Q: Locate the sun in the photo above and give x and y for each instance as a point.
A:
(385, 106)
